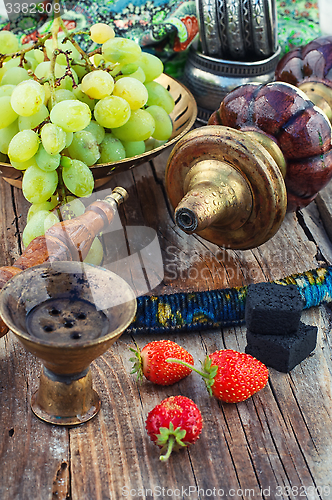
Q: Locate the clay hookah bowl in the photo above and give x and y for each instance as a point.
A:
(266, 150)
(67, 314)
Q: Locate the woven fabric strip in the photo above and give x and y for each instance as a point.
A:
(219, 308)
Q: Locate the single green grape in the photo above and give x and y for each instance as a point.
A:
(164, 125)
(101, 32)
(71, 116)
(139, 127)
(53, 138)
(111, 149)
(121, 50)
(37, 185)
(77, 177)
(23, 146)
(27, 98)
(112, 112)
(151, 65)
(97, 84)
(84, 147)
(159, 96)
(8, 42)
(132, 90)
(45, 161)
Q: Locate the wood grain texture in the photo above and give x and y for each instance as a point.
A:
(262, 448)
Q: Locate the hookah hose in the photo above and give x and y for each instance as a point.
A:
(211, 309)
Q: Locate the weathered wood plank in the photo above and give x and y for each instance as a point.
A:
(10, 248)
(278, 438)
(191, 263)
(324, 203)
(34, 456)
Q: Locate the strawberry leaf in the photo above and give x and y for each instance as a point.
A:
(210, 371)
(170, 439)
(138, 363)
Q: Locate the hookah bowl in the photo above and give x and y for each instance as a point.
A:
(67, 314)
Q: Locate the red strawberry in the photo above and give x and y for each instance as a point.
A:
(151, 362)
(232, 376)
(174, 424)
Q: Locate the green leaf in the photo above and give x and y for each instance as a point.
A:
(170, 439)
(138, 363)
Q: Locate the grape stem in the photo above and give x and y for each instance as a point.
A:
(70, 37)
(39, 43)
(55, 53)
(61, 190)
(68, 70)
(96, 51)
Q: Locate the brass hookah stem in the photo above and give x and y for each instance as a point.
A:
(215, 194)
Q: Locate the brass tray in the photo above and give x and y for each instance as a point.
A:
(183, 116)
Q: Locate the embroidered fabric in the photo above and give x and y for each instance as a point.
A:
(219, 308)
(164, 28)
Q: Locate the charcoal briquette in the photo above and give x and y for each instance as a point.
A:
(282, 352)
(273, 309)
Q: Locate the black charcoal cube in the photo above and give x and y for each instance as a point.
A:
(282, 353)
(273, 309)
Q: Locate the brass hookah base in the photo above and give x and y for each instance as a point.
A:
(65, 400)
(227, 186)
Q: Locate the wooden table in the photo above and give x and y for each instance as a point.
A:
(275, 445)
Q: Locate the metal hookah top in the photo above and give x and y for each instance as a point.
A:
(237, 29)
(237, 45)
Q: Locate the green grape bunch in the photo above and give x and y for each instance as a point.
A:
(63, 110)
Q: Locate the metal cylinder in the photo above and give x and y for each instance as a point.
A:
(237, 44)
